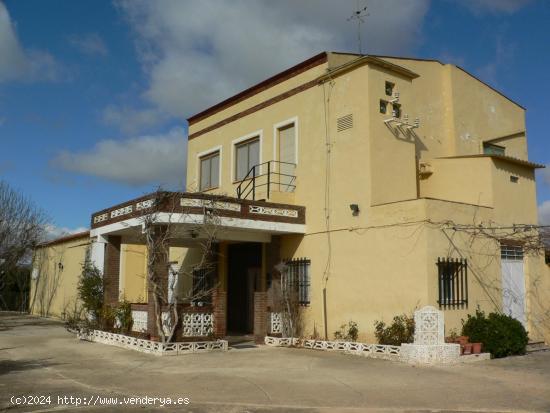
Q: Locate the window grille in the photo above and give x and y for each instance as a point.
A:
(453, 282)
(203, 283)
(511, 252)
(296, 278)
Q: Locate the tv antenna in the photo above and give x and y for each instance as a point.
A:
(359, 16)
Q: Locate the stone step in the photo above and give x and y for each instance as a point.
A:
(536, 346)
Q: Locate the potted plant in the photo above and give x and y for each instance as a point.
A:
(467, 348)
(462, 340)
(476, 348)
(452, 338)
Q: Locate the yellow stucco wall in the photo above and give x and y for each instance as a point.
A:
(382, 262)
(133, 273)
(53, 287)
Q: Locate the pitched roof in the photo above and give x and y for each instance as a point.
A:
(65, 238)
(505, 158)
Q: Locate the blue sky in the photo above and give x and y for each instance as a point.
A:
(94, 94)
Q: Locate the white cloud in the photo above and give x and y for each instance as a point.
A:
(196, 53)
(144, 160)
(89, 43)
(495, 6)
(544, 213)
(53, 231)
(19, 64)
(131, 120)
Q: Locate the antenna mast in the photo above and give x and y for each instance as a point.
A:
(358, 16)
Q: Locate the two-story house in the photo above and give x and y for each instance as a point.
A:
(379, 184)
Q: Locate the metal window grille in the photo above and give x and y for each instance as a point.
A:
(297, 279)
(453, 282)
(203, 283)
(511, 252)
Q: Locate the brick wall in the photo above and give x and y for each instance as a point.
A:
(111, 272)
(260, 316)
(219, 300)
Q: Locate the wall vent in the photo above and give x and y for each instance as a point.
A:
(344, 122)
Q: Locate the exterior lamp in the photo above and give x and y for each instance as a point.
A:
(354, 209)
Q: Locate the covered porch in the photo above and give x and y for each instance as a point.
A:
(224, 246)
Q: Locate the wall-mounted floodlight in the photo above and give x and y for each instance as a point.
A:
(354, 209)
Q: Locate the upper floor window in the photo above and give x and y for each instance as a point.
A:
(247, 155)
(492, 149)
(389, 88)
(210, 171)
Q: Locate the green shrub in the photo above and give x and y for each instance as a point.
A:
(348, 332)
(90, 291)
(124, 316)
(401, 330)
(107, 318)
(500, 334)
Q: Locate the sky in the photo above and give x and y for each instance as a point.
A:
(94, 93)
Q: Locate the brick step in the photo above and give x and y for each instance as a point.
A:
(535, 346)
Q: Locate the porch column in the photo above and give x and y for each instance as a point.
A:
(161, 270)
(219, 296)
(111, 271)
(260, 302)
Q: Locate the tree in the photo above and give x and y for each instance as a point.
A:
(22, 226)
(159, 234)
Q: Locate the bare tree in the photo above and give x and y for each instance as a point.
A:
(159, 234)
(286, 300)
(21, 230)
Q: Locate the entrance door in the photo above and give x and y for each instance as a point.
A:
(244, 267)
(513, 282)
(287, 157)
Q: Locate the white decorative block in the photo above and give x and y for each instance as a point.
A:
(276, 323)
(197, 324)
(429, 345)
(278, 212)
(139, 318)
(429, 326)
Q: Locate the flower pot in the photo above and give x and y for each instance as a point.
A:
(155, 338)
(462, 340)
(476, 348)
(467, 348)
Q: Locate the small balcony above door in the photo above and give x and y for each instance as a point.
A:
(273, 181)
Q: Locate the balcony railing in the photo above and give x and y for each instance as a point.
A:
(271, 176)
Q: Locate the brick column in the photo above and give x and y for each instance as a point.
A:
(260, 316)
(161, 271)
(219, 301)
(111, 272)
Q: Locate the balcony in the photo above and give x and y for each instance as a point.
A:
(272, 180)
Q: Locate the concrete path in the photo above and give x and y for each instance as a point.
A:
(38, 357)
